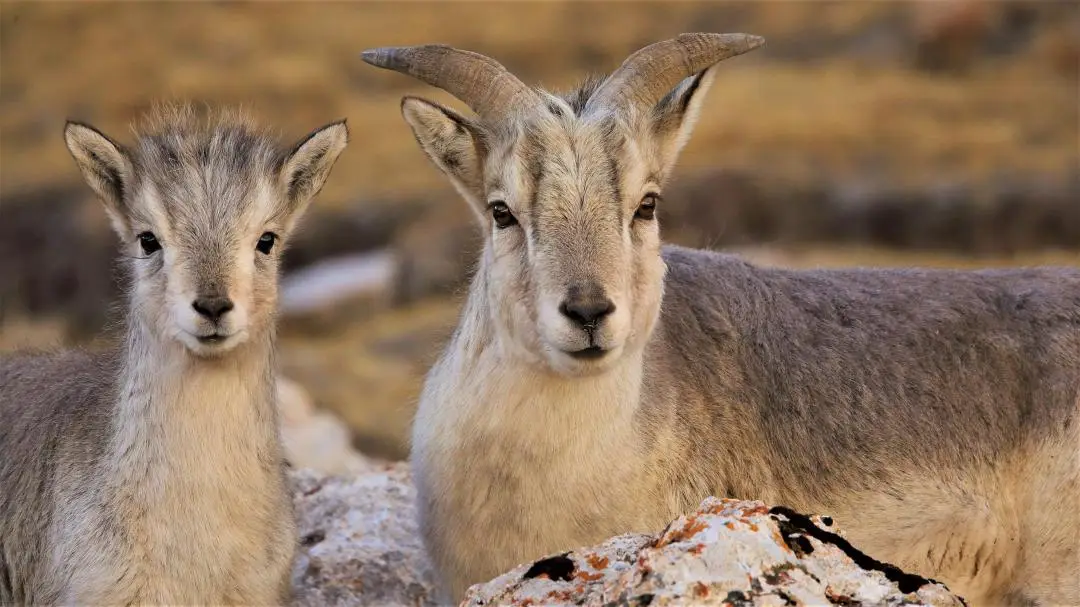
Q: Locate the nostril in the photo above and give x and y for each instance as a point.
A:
(212, 307)
(587, 312)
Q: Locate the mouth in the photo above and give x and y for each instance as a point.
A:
(590, 353)
(216, 338)
(214, 342)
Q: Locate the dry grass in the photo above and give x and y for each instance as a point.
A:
(296, 65)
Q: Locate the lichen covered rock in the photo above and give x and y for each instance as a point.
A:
(728, 552)
(359, 541)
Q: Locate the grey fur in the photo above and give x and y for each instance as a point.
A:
(151, 471)
(933, 413)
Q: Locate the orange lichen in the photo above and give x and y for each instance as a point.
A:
(779, 539)
(596, 561)
(756, 510)
(587, 576)
(692, 527)
(560, 595)
(701, 590)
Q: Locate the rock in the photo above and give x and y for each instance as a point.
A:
(359, 540)
(315, 439)
(728, 552)
(360, 545)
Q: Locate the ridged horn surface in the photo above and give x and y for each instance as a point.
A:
(480, 82)
(652, 72)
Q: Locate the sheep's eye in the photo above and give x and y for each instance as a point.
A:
(502, 215)
(647, 209)
(266, 243)
(149, 243)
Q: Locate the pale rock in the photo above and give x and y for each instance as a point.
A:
(360, 545)
(359, 540)
(728, 552)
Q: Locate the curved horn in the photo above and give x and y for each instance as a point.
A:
(652, 72)
(481, 82)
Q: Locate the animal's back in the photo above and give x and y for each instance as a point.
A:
(923, 406)
(52, 406)
(881, 361)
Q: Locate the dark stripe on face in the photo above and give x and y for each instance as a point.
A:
(616, 187)
(612, 151)
(533, 151)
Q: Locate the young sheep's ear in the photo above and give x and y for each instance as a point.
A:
(308, 164)
(451, 141)
(675, 115)
(105, 166)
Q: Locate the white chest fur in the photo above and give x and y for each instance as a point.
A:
(195, 494)
(563, 452)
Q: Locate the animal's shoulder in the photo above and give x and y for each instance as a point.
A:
(58, 388)
(48, 371)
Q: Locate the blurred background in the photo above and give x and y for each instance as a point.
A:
(937, 133)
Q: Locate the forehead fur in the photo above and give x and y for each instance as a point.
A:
(216, 161)
(578, 97)
(173, 137)
(560, 156)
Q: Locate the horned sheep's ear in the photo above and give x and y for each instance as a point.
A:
(674, 116)
(452, 142)
(105, 166)
(667, 81)
(307, 166)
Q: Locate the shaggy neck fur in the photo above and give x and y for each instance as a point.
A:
(196, 419)
(193, 461)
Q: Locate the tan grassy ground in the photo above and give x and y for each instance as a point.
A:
(295, 64)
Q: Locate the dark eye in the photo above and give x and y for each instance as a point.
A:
(266, 243)
(149, 243)
(502, 215)
(647, 209)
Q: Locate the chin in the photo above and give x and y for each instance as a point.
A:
(583, 363)
(215, 347)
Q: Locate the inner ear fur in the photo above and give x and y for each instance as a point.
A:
(307, 166)
(453, 142)
(674, 117)
(105, 166)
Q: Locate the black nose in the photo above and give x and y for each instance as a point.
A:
(212, 308)
(586, 307)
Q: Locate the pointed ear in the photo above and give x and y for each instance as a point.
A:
(105, 166)
(306, 167)
(452, 142)
(675, 115)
